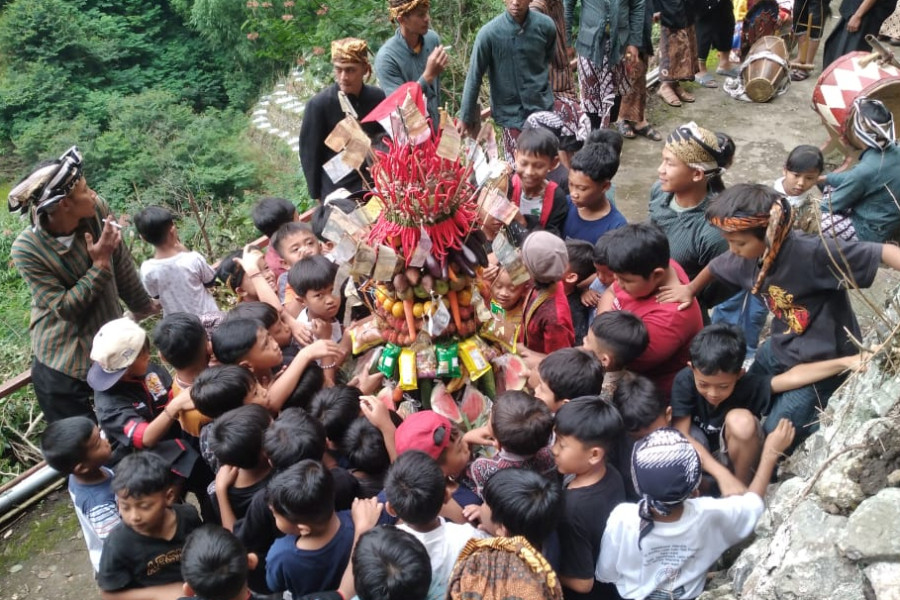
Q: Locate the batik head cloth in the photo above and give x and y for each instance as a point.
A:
(350, 50)
(697, 147)
(778, 222)
(873, 123)
(47, 185)
(499, 568)
(666, 471)
(398, 8)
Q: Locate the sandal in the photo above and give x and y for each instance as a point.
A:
(706, 80)
(732, 72)
(668, 95)
(684, 95)
(626, 130)
(649, 132)
(799, 75)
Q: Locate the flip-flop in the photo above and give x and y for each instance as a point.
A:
(649, 132)
(672, 99)
(684, 95)
(706, 80)
(626, 130)
(799, 75)
(732, 72)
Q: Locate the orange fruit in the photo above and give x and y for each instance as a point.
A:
(388, 304)
(464, 297)
(396, 309)
(418, 310)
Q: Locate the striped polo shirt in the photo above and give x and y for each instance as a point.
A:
(70, 298)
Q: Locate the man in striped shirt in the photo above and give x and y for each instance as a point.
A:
(77, 269)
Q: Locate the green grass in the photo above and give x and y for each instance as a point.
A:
(47, 526)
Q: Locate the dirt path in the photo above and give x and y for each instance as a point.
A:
(43, 554)
(764, 134)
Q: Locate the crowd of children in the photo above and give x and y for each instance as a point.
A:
(638, 451)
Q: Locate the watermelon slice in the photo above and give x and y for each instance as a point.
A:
(514, 371)
(443, 403)
(473, 403)
(386, 397)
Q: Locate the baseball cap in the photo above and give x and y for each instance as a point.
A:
(115, 348)
(545, 257)
(426, 431)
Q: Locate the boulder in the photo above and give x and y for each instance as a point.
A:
(800, 561)
(884, 579)
(873, 530)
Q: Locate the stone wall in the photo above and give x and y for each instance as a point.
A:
(832, 526)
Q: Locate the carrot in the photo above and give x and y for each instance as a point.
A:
(451, 274)
(454, 309)
(410, 317)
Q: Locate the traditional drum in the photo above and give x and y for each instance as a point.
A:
(765, 70)
(853, 75)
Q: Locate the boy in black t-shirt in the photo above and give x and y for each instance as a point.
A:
(803, 281)
(144, 549)
(236, 439)
(586, 430)
(715, 402)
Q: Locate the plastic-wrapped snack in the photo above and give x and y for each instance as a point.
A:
(448, 361)
(408, 377)
(387, 363)
(472, 356)
(365, 335)
(426, 361)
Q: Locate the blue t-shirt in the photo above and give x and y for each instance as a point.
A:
(95, 507)
(577, 228)
(306, 571)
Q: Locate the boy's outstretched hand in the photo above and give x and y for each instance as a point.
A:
(376, 412)
(365, 513)
(322, 349)
(780, 439)
(676, 293)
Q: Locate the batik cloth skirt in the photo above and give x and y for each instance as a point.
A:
(677, 54)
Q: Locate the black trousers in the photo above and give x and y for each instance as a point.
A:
(60, 395)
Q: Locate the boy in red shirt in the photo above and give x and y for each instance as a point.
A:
(638, 255)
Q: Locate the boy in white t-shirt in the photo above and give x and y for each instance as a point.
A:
(176, 276)
(416, 490)
(664, 544)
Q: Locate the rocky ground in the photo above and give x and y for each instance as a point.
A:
(817, 538)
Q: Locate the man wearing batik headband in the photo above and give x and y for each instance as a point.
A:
(802, 280)
(663, 545)
(414, 53)
(862, 202)
(77, 270)
(350, 58)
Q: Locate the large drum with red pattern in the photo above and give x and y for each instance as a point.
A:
(853, 75)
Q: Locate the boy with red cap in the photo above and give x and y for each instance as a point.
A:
(441, 439)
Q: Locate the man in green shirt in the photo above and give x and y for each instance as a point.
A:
(77, 270)
(414, 53)
(515, 50)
